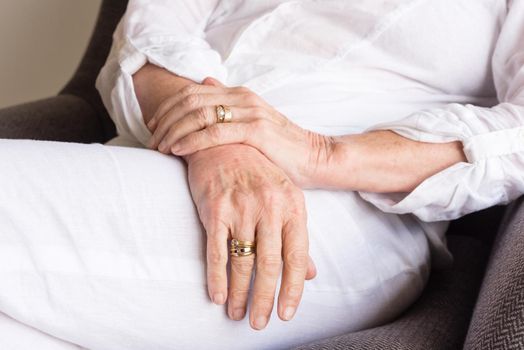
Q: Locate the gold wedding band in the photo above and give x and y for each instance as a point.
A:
(224, 114)
(241, 248)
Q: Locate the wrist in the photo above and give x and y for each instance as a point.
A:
(223, 151)
(338, 169)
(341, 167)
(153, 85)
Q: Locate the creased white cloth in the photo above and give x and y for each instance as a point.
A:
(430, 70)
(433, 71)
(493, 137)
(15, 335)
(101, 246)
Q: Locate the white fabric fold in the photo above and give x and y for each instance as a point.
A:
(492, 138)
(169, 34)
(431, 71)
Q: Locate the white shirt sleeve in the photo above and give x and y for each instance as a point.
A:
(167, 33)
(493, 141)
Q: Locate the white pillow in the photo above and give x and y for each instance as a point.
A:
(101, 246)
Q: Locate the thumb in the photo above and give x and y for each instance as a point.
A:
(311, 269)
(213, 82)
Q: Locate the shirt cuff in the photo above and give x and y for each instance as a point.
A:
(191, 59)
(453, 192)
(488, 178)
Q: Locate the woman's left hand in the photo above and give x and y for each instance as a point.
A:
(187, 123)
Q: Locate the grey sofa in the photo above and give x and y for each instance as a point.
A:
(476, 304)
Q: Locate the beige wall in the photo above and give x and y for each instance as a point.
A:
(41, 42)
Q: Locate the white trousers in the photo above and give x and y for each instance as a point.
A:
(101, 248)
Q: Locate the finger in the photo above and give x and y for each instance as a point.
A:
(248, 94)
(217, 134)
(185, 106)
(198, 120)
(295, 255)
(241, 271)
(311, 269)
(268, 268)
(217, 257)
(212, 81)
(187, 90)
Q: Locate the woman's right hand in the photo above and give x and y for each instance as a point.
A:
(240, 194)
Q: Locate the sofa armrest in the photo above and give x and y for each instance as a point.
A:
(62, 118)
(438, 320)
(498, 319)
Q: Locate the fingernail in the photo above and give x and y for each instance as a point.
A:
(176, 148)
(238, 314)
(289, 312)
(151, 123)
(218, 298)
(260, 322)
(162, 146)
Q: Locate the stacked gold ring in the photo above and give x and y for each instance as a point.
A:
(224, 114)
(241, 248)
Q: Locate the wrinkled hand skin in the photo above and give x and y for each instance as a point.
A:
(186, 123)
(240, 193)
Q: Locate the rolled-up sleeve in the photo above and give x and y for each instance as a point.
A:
(166, 33)
(492, 139)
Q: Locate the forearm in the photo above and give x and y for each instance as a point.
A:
(153, 85)
(383, 161)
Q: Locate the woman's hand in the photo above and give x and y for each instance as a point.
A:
(186, 123)
(241, 194)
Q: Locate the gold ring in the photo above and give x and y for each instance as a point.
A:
(224, 114)
(241, 248)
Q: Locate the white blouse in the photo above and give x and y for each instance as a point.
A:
(432, 71)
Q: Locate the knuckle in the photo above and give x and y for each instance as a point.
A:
(260, 124)
(288, 189)
(296, 213)
(218, 205)
(171, 129)
(215, 257)
(210, 217)
(212, 221)
(164, 106)
(296, 259)
(271, 195)
(299, 208)
(269, 264)
(202, 117)
(214, 279)
(259, 113)
(295, 195)
(250, 98)
(239, 294)
(190, 89)
(242, 266)
(242, 90)
(213, 132)
(293, 292)
(264, 300)
(191, 101)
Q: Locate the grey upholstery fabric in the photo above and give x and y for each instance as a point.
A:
(439, 319)
(62, 118)
(498, 320)
(83, 82)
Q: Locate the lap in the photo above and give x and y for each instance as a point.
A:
(18, 336)
(102, 246)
